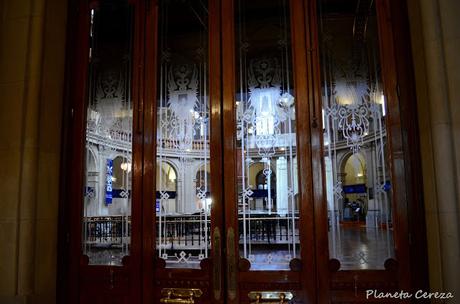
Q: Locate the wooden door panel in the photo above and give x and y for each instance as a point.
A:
(378, 259)
(105, 155)
(246, 84)
(101, 284)
(266, 150)
(184, 152)
(281, 282)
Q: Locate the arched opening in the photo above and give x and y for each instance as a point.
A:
(166, 193)
(265, 182)
(354, 187)
(202, 185)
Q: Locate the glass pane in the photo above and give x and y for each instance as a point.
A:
(183, 198)
(266, 136)
(355, 139)
(107, 202)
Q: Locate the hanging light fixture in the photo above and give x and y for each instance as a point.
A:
(126, 166)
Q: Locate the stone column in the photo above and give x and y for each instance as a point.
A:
(296, 178)
(179, 207)
(31, 86)
(102, 208)
(449, 15)
(22, 34)
(281, 186)
(340, 180)
(189, 188)
(437, 74)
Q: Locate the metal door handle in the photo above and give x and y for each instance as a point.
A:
(217, 261)
(231, 265)
(270, 297)
(180, 295)
(111, 278)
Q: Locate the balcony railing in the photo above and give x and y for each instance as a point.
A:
(186, 231)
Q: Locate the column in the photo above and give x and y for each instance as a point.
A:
(437, 74)
(31, 85)
(281, 186)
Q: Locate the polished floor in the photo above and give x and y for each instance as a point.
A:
(361, 247)
(355, 246)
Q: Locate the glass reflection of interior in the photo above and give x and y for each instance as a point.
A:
(355, 138)
(107, 199)
(183, 197)
(266, 136)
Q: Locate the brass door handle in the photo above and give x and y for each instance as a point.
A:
(270, 297)
(217, 267)
(180, 295)
(231, 265)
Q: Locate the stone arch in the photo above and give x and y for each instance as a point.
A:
(357, 157)
(92, 159)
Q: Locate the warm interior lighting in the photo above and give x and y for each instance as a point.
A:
(382, 102)
(126, 166)
(172, 175)
(344, 101)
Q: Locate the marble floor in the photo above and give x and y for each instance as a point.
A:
(361, 247)
(355, 246)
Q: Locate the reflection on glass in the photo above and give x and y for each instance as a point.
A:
(107, 200)
(183, 199)
(355, 153)
(266, 136)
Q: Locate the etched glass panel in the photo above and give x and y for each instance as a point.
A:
(183, 200)
(107, 193)
(266, 136)
(355, 138)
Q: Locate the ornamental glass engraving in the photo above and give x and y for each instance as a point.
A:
(183, 197)
(107, 193)
(358, 182)
(268, 210)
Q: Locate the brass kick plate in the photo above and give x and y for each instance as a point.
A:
(180, 295)
(270, 297)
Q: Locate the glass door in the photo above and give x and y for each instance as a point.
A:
(235, 151)
(267, 205)
(228, 206)
(104, 155)
(184, 189)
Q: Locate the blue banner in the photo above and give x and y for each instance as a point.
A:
(359, 188)
(171, 194)
(108, 182)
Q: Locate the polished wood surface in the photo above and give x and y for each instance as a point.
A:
(149, 150)
(303, 286)
(304, 95)
(402, 132)
(86, 283)
(157, 276)
(229, 166)
(417, 243)
(316, 279)
(317, 181)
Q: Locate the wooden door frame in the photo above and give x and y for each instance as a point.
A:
(394, 32)
(408, 271)
(76, 274)
(156, 275)
(320, 213)
(303, 279)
